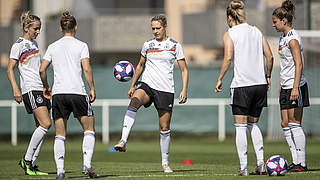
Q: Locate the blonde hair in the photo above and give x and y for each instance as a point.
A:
(235, 9)
(287, 10)
(67, 22)
(27, 19)
(161, 18)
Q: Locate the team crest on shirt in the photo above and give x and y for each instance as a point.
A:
(39, 99)
(151, 45)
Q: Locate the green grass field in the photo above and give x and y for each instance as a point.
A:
(212, 160)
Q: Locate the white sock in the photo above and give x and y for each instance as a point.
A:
(300, 141)
(241, 143)
(128, 122)
(36, 138)
(59, 152)
(88, 147)
(288, 135)
(257, 142)
(36, 154)
(165, 146)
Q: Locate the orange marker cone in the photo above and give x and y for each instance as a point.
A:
(188, 162)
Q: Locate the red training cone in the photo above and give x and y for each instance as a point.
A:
(188, 162)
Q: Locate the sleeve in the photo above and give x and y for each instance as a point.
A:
(15, 51)
(179, 52)
(48, 55)
(85, 52)
(292, 36)
(143, 50)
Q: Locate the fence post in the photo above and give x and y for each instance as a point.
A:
(14, 135)
(105, 123)
(221, 121)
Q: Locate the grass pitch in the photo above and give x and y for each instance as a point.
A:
(212, 160)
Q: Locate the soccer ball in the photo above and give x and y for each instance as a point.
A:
(276, 166)
(123, 71)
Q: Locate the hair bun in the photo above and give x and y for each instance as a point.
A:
(287, 5)
(237, 5)
(67, 15)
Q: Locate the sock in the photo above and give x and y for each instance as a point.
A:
(165, 146)
(36, 138)
(241, 143)
(59, 152)
(257, 142)
(288, 135)
(36, 154)
(128, 122)
(88, 147)
(300, 141)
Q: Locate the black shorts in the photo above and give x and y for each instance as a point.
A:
(161, 100)
(249, 100)
(35, 99)
(64, 104)
(302, 101)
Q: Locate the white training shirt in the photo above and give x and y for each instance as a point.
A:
(247, 55)
(65, 55)
(287, 64)
(27, 54)
(160, 57)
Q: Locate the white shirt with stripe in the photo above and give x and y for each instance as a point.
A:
(65, 55)
(287, 64)
(26, 52)
(160, 57)
(247, 55)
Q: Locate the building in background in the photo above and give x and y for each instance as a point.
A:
(116, 29)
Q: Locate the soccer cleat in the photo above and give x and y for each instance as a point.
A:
(260, 170)
(166, 168)
(26, 166)
(91, 173)
(60, 176)
(243, 172)
(38, 172)
(83, 170)
(297, 168)
(121, 146)
(291, 167)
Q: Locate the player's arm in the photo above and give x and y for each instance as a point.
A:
(89, 77)
(139, 69)
(10, 73)
(43, 76)
(269, 60)
(185, 77)
(228, 53)
(296, 53)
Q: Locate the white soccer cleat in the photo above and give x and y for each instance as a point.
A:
(243, 172)
(166, 168)
(260, 170)
(121, 146)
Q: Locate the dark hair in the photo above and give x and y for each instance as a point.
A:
(235, 9)
(28, 19)
(67, 22)
(161, 18)
(287, 10)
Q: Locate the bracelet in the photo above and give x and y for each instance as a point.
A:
(268, 76)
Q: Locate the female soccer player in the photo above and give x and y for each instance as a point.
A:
(67, 55)
(156, 86)
(293, 91)
(25, 54)
(247, 46)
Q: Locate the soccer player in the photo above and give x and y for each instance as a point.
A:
(293, 91)
(156, 86)
(247, 46)
(67, 55)
(25, 54)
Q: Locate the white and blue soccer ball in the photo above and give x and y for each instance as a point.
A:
(123, 71)
(276, 166)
